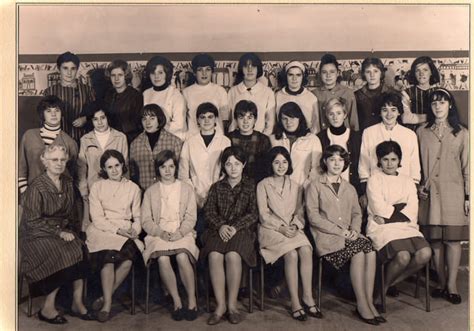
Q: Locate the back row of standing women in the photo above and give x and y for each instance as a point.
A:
(258, 120)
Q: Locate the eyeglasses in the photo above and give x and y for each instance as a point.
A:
(56, 160)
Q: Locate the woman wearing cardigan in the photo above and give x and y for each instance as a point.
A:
(168, 217)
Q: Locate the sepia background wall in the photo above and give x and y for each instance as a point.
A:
(278, 33)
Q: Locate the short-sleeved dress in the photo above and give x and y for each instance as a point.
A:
(235, 206)
(47, 261)
(170, 208)
(279, 208)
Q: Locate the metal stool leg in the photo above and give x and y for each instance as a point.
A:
(382, 287)
(30, 305)
(196, 288)
(206, 280)
(133, 290)
(250, 290)
(320, 277)
(417, 283)
(427, 287)
(147, 287)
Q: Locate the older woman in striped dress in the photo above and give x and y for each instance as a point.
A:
(51, 252)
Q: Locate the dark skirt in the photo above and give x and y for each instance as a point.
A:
(352, 247)
(243, 243)
(445, 232)
(411, 245)
(129, 251)
(58, 279)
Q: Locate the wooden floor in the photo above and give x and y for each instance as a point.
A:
(403, 313)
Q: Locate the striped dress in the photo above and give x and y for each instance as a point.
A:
(46, 212)
(74, 98)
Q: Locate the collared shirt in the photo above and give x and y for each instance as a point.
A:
(338, 91)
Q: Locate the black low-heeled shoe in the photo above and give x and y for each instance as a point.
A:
(178, 314)
(371, 321)
(380, 319)
(301, 315)
(55, 320)
(88, 316)
(191, 314)
(454, 298)
(315, 314)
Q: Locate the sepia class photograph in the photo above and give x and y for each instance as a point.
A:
(272, 166)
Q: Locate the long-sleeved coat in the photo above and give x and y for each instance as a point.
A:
(151, 212)
(113, 205)
(449, 177)
(383, 192)
(331, 213)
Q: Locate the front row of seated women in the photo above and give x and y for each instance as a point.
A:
(53, 255)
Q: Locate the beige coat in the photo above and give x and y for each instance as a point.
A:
(449, 177)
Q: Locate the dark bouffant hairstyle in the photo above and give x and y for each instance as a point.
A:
(235, 151)
(453, 115)
(245, 106)
(164, 156)
(254, 60)
(332, 150)
(206, 107)
(203, 60)
(391, 99)
(155, 110)
(434, 79)
(291, 109)
(107, 155)
(151, 67)
(272, 154)
(387, 147)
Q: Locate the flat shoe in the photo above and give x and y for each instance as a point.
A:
(56, 320)
(380, 319)
(438, 293)
(315, 314)
(178, 314)
(191, 314)
(234, 318)
(371, 321)
(89, 316)
(103, 316)
(393, 292)
(454, 298)
(301, 315)
(98, 304)
(215, 319)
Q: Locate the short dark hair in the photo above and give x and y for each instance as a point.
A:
(434, 78)
(272, 154)
(151, 67)
(252, 58)
(392, 99)
(118, 63)
(332, 150)
(67, 57)
(107, 155)
(203, 60)
(50, 101)
(235, 151)
(291, 109)
(164, 156)
(206, 107)
(245, 106)
(376, 62)
(328, 59)
(105, 111)
(387, 147)
(155, 110)
(453, 114)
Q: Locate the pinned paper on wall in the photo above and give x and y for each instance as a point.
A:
(34, 78)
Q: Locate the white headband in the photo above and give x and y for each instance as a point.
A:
(296, 64)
